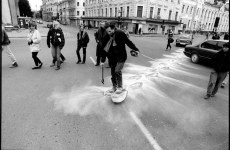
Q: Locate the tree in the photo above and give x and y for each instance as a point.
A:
(24, 8)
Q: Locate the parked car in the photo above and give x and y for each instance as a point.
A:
(185, 39)
(204, 51)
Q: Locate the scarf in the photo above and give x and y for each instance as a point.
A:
(112, 39)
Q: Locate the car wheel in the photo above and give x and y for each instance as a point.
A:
(194, 58)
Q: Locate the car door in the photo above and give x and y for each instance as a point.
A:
(208, 49)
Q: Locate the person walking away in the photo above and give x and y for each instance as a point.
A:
(170, 40)
(49, 37)
(117, 55)
(101, 37)
(82, 41)
(34, 39)
(221, 65)
(57, 40)
(124, 29)
(226, 36)
(6, 48)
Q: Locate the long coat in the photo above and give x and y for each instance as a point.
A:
(36, 38)
(102, 37)
(82, 40)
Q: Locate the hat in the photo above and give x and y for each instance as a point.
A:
(226, 45)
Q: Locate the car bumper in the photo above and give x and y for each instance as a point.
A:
(187, 54)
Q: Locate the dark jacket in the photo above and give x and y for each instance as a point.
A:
(56, 37)
(226, 37)
(5, 38)
(102, 37)
(118, 53)
(221, 61)
(82, 39)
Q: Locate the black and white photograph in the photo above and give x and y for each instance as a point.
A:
(115, 75)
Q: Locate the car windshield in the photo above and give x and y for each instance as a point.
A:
(185, 37)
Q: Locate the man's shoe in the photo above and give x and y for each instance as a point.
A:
(83, 63)
(58, 68)
(119, 91)
(36, 67)
(52, 65)
(207, 96)
(40, 65)
(97, 64)
(61, 61)
(212, 95)
(15, 64)
(78, 61)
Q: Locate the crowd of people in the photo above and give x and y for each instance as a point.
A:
(111, 44)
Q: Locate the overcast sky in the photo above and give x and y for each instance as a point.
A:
(33, 4)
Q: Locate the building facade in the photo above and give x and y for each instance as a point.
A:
(10, 12)
(151, 16)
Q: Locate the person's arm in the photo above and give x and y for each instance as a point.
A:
(37, 40)
(87, 37)
(128, 42)
(62, 40)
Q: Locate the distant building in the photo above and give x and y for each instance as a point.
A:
(10, 12)
(151, 16)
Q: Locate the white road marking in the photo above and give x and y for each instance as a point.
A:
(145, 131)
(93, 60)
(147, 57)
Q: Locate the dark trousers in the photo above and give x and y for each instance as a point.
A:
(116, 73)
(78, 53)
(168, 45)
(36, 59)
(98, 60)
(62, 57)
(215, 82)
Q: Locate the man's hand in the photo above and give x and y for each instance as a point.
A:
(134, 53)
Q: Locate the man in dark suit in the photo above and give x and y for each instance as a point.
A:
(116, 52)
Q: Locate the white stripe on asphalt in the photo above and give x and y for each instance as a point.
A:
(147, 57)
(93, 60)
(145, 131)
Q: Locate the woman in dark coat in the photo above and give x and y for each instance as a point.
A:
(82, 42)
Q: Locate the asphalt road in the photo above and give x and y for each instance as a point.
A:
(65, 110)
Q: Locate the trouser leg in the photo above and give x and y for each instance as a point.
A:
(78, 53)
(54, 55)
(58, 56)
(9, 53)
(118, 73)
(84, 54)
(34, 56)
(220, 79)
(211, 83)
(113, 79)
(226, 79)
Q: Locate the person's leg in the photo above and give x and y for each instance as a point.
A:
(226, 80)
(84, 55)
(54, 55)
(34, 56)
(211, 84)
(167, 45)
(118, 75)
(78, 54)
(98, 61)
(9, 53)
(62, 57)
(113, 78)
(58, 58)
(220, 79)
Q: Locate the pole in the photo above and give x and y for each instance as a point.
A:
(193, 17)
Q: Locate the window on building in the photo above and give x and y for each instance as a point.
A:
(83, 13)
(121, 11)
(182, 9)
(170, 13)
(151, 13)
(127, 15)
(102, 12)
(176, 16)
(83, 4)
(178, 1)
(158, 11)
(188, 23)
(77, 3)
(111, 12)
(78, 13)
(98, 12)
(171, 0)
(187, 9)
(191, 10)
(106, 13)
(139, 11)
(115, 11)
